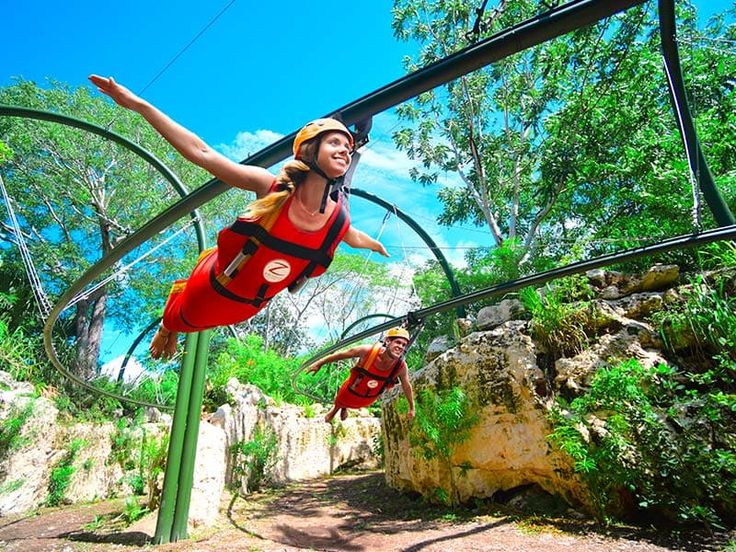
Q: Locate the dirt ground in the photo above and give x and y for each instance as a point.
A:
(351, 513)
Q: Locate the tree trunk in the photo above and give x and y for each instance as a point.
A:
(90, 319)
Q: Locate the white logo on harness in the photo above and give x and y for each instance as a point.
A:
(372, 384)
(276, 270)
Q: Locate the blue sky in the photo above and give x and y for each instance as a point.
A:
(257, 71)
(250, 71)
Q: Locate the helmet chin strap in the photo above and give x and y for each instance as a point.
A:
(329, 182)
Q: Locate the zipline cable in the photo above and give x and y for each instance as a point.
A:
(39, 294)
(121, 271)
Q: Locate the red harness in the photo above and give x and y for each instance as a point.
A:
(253, 261)
(366, 382)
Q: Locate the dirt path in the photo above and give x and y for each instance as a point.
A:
(351, 513)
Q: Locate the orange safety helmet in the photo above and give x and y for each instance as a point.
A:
(317, 127)
(398, 331)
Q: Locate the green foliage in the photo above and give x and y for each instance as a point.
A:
(11, 486)
(123, 444)
(655, 436)
(247, 362)
(6, 154)
(443, 420)
(309, 411)
(133, 510)
(11, 429)
(554, 147)
(142, 455)
(61, 474)
(95, 524)
(160, 390)
(707, 315)
(253, 460)
(17, 356)
(152, 463)
(557, 321)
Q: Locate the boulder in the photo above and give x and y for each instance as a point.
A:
(508, 446)
(495, 315)
(25, 467)
(438, 345)
(209, 475)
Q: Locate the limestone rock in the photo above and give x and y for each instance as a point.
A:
(660, 277)
(495, 315)
(24, 470)
(576, 373)
(602, 279)
(439, 345)
(465, 325)
(639, 305)
(508, 447)
(95, 475)
(307, 447)
(209, 475)
(614, 285)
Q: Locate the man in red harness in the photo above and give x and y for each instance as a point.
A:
(379, 366)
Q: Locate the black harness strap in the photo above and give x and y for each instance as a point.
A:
(256, 231)
(385, 380)
(316, 257)
(222, 290)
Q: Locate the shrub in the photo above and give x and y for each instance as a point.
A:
(253, 460)
(249, 363)
(559, 315)
(62, 473)
(12, 427)
(443, 420)
(651, 437)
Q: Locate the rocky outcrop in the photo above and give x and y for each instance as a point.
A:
(508, 446)
(511, 383)
(495, 315)
(307, 446)
(24, 464)
(209, 475)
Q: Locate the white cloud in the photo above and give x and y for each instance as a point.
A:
(388, 160)
(133, 370)
(247, 143)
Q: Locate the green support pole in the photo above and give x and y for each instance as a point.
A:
(165, 518)
(189, 451)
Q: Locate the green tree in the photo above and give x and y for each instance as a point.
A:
(570, 141)
(78, 195)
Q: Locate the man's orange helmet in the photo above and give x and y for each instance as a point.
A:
(317, 127)
(398, 331)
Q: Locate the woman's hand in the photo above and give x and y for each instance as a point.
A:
(379, 248)
(314, 368)
(120, 95)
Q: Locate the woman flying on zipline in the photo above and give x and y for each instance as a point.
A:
(288, 234)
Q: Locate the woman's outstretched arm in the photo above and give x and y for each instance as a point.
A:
(191, 146)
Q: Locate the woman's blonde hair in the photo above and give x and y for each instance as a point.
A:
(292, 174)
